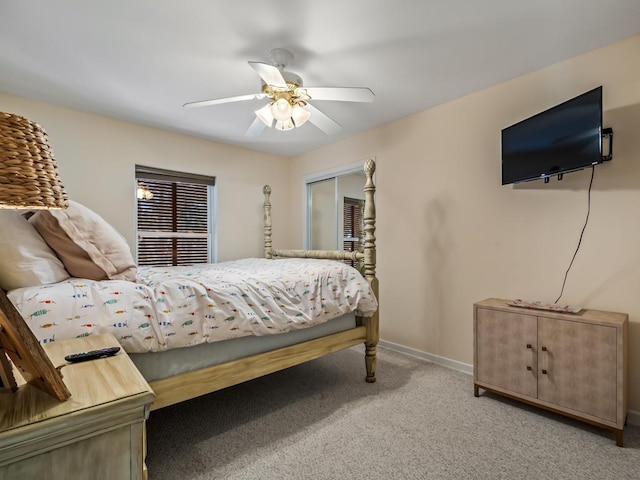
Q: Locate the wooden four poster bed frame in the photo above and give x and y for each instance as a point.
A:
(192, 384)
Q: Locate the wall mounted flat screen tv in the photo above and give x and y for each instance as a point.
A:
(565, 138)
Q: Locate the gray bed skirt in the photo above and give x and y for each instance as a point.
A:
(157, 365)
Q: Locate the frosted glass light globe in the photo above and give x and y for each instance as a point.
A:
(281, 109)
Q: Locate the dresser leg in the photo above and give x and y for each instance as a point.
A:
(476, 390)
(619, 440)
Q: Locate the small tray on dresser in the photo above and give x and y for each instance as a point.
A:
(537, 305)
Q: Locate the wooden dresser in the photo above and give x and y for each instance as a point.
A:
(573, 364)
(98, 433)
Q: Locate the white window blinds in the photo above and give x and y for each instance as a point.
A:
(173, 226)
(353, 226)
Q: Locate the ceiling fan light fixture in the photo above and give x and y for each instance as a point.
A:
(288, 101)
(299, 115)
(284, 125)
(281, 109)
(264, 115)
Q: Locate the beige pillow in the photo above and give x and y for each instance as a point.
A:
(25, 259)
(87, 245)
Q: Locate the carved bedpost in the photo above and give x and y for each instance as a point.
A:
(267, 222)
(372, 323)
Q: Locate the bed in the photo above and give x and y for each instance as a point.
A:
(194, 330)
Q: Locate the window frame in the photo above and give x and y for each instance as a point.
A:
(144, 173)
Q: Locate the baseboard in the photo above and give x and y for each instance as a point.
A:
(633, 417)
(430, 357)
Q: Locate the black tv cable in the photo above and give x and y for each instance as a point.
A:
(593, 170)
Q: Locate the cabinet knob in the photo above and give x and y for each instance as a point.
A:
(544, 349)
(528, 367)
(544, 372)
(528, 345)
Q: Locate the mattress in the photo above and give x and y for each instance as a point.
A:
(158, 365)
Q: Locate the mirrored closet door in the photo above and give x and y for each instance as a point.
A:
(334, 210)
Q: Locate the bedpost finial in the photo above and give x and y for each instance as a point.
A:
(369, 166)
(266, 190)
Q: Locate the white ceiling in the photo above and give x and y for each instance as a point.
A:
(140, 60)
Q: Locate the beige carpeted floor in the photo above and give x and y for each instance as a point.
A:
(419, 421)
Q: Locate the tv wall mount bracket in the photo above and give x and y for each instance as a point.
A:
(607, 133)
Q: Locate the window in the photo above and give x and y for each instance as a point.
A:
(174, 212)
(353, 226)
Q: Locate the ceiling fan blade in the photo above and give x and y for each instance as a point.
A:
(322, 121)
(341, 94)
(217, 101)
(270, 74)
(256, 128)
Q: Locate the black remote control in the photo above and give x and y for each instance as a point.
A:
(92, 355)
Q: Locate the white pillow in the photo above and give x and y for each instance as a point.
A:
(88, 246)
(25, 259)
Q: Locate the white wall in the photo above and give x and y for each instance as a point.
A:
(467, 237)
(97, 156)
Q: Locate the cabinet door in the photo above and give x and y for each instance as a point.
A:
(580, 364)
(506, 351)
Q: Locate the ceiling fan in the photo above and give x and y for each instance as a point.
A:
(288, 106)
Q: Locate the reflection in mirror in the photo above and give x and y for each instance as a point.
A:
(323, 220)
(326, 220)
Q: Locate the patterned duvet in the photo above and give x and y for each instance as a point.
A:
(172, 307)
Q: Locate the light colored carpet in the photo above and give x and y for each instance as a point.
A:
(321, 420)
